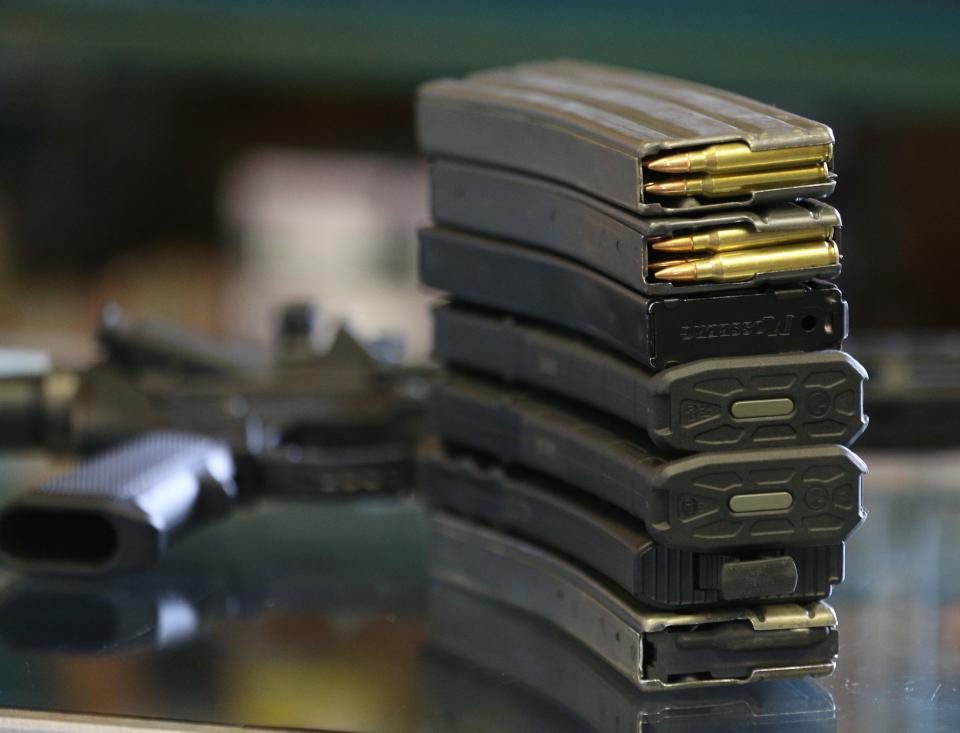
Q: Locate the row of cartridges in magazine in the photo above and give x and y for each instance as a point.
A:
(733, 254)
(654, 147)
(729, 250)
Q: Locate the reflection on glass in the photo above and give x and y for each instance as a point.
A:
(488, 663)
(259, 621)
(314, 616)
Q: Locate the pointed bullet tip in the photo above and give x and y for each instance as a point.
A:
(667, 188)
(676, 244)
(684, 272)
(670, 164)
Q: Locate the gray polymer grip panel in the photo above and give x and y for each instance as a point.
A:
(657, 332)
(781, 640)
(687, 407)
(810, 496)
(589, 126)
(569, 223)
(140, 493)
(614, 544)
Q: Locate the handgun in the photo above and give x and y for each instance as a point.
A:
(298, 423)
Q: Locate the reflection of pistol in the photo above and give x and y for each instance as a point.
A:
(197, 594)
(120, 510)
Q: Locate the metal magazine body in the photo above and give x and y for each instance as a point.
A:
(656, 332)
(475, 643)
(591, 126)
(511, 206)
(613, 544)
(710, 404)
(702, 502)
(652, 649)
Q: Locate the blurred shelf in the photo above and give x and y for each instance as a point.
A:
(863, 57)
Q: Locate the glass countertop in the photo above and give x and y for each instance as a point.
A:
(321, 616)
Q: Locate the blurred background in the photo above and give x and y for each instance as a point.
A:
(207, 160)
(203, 160)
